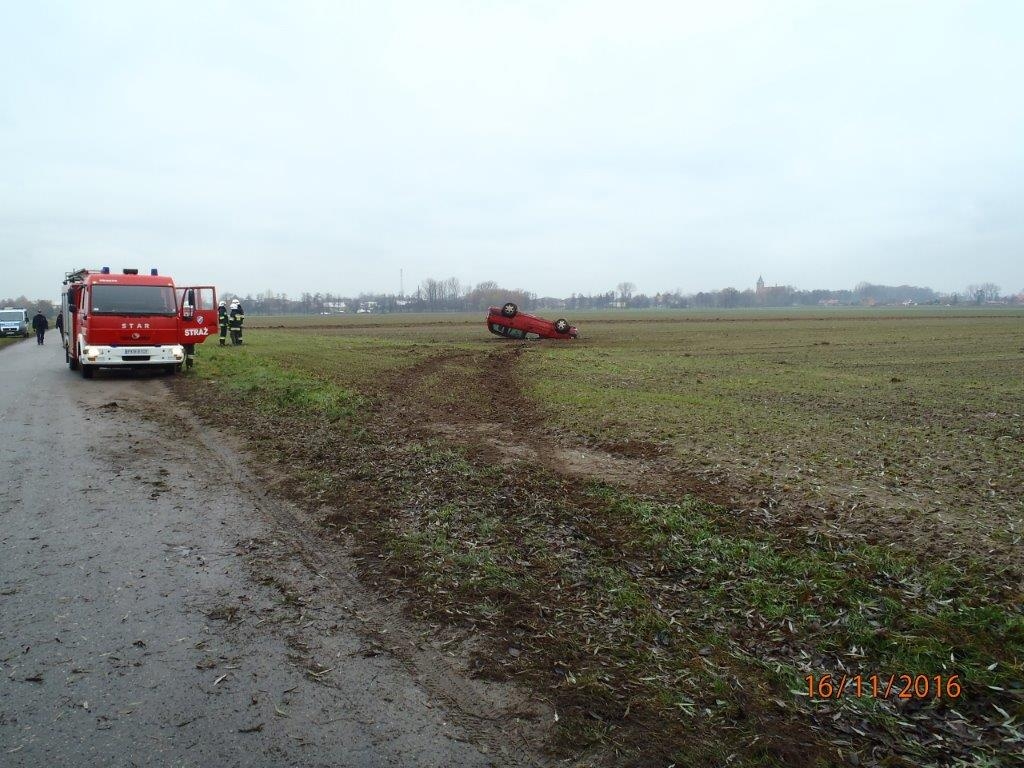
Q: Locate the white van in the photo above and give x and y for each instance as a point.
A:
(13, 322)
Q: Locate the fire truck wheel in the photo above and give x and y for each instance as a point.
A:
(510, 310)
(72, 363)
(87, 371)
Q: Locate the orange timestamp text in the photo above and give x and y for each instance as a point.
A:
(898, 686)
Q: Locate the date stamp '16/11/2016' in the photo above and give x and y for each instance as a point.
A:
(898, 686)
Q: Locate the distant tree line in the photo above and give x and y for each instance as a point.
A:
(450, 295)
(864, 294)
(48, 308)
(430, 296)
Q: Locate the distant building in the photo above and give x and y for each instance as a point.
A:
(550, 302)
(769, 291)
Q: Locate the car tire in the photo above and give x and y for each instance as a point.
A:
(562, 325)
(510, 310)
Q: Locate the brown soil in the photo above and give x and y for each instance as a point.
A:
(497, 422)
(476, 402)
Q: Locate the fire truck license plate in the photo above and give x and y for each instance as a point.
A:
(135, 353)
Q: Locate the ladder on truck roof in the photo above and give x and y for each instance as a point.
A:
(78, 275)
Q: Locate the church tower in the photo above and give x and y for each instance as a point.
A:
(760, 284)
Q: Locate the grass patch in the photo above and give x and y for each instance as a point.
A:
(247, 378)
(661, 625)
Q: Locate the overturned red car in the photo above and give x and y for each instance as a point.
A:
(509, 322)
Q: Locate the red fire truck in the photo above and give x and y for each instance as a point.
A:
(130, 320)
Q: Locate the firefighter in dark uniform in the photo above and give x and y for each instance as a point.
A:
(236, 316)
(40, 324)
(222, 321)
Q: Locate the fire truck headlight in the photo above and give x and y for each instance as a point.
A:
(178, 352)
(92, 353)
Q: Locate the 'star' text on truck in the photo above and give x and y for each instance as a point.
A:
(130, 320)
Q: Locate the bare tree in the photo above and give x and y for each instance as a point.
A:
(983, 292)
(626, 291)
(431, 290)
(452, 292)
(486, 294)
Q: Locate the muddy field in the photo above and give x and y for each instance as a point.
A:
(674, 528)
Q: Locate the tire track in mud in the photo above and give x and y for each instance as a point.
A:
(485, 411)
(498, 423)
(492, 417)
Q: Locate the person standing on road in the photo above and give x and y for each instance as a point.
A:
(59, 325)
(40, 323)
(235, 320)
(222, 321)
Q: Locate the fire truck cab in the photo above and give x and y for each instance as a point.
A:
(130, 320)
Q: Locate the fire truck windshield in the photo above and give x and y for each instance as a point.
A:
(133, 300)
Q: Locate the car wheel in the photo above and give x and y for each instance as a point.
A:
(510, 310)
(562, 325)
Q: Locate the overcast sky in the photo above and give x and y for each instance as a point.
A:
(553, 146)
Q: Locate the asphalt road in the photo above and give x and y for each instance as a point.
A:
(157, 608)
